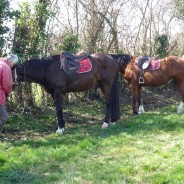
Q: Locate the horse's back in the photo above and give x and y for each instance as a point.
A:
(105, 61)
(174, 60)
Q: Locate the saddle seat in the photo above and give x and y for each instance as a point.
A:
(76, 57)
(143, 63)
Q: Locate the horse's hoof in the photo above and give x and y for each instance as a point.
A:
(180, 108)
(179, 111)
(105, 125)
(140, 112)
(112, 123)
(141, 109)
(60, 130)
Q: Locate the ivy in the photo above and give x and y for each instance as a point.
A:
(162, 45)
(30, 34)
(6, 15)
(70, 43)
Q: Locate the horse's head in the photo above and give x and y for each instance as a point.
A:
(18, 73)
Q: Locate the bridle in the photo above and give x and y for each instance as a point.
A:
(15, 75)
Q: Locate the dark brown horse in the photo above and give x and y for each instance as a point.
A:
(171, 67)
(51, 73)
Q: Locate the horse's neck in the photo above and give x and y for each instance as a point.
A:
(30, 74)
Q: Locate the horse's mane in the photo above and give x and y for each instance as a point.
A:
(122, 58)
(41, 63)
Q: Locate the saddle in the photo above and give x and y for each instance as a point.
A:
(143, 63)
(71, 61)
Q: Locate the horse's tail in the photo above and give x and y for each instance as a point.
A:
(115, 105)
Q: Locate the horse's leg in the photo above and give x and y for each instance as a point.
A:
(140, 104)
(115, 104)
(181, 90)
(134, 92)
(106, 91)
(58, 99)
(107, 116)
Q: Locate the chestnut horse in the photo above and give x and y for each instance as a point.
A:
(171, 67)
(50, 73)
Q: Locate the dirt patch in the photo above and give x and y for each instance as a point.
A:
(155, 97)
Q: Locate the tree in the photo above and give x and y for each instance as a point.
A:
(69, 43)
(162, 45)
(179, 8)
(6, 14)
(30, 35)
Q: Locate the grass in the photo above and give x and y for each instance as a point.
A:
(145, 149)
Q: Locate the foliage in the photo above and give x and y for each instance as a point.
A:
(179, 7)
(30, 33)
(6, 14)
(162, 44)
(70, 43)
(139, 149)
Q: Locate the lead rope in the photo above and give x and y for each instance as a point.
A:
(24, 103)
(15, 76)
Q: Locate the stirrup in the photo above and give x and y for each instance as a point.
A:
(141, 80)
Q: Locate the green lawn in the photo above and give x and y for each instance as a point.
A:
(145, 149)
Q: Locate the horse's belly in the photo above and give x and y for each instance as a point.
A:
(155, 79)
(81, 85)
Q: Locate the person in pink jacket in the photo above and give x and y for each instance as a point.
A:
(6, 83)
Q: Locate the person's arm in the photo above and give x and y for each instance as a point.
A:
(7, 80)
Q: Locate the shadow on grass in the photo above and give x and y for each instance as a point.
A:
(130, 125)
(30, 130)
(84, 135)
(18, 176)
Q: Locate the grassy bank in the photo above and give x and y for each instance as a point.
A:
(139, 149)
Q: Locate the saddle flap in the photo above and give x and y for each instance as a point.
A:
(72, 64)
